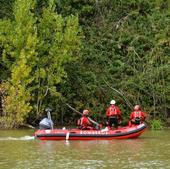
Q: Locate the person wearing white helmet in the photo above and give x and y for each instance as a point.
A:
(84, 123)
(113, 114)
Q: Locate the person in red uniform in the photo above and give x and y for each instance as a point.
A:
(83, 122)
(137, 116)
(113, 114)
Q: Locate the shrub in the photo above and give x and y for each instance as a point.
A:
(156, 124)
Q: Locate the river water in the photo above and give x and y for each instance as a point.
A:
(19, 150)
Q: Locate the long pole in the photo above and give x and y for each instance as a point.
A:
(94, 122)
(120, 93)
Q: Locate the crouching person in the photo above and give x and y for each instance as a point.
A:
(84, 123)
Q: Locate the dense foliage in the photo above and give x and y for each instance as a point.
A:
(84, 53)
(35, 49)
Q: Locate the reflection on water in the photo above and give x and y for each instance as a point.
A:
(20, 150)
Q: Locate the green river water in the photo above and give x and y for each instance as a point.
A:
(19, 150)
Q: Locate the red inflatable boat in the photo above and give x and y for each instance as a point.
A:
(103, 134)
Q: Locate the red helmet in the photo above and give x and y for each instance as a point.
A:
(85, 112)
(137, 107)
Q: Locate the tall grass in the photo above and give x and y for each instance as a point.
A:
(156, 124)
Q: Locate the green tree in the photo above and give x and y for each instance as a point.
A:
(59, 44)
(35, 51)
(126, 49)
(19, 40)
(6, 8)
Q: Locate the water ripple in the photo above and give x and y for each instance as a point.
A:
(24, 138)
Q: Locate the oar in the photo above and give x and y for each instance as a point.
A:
(97, 124)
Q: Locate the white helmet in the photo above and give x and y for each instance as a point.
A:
(112, 102)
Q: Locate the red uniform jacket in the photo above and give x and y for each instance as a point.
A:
(138, 114)
(113, 111)
(84, 122)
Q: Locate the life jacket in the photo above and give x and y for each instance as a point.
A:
(83, 124)
(137, 114)
(112, 111)
(83, 121)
